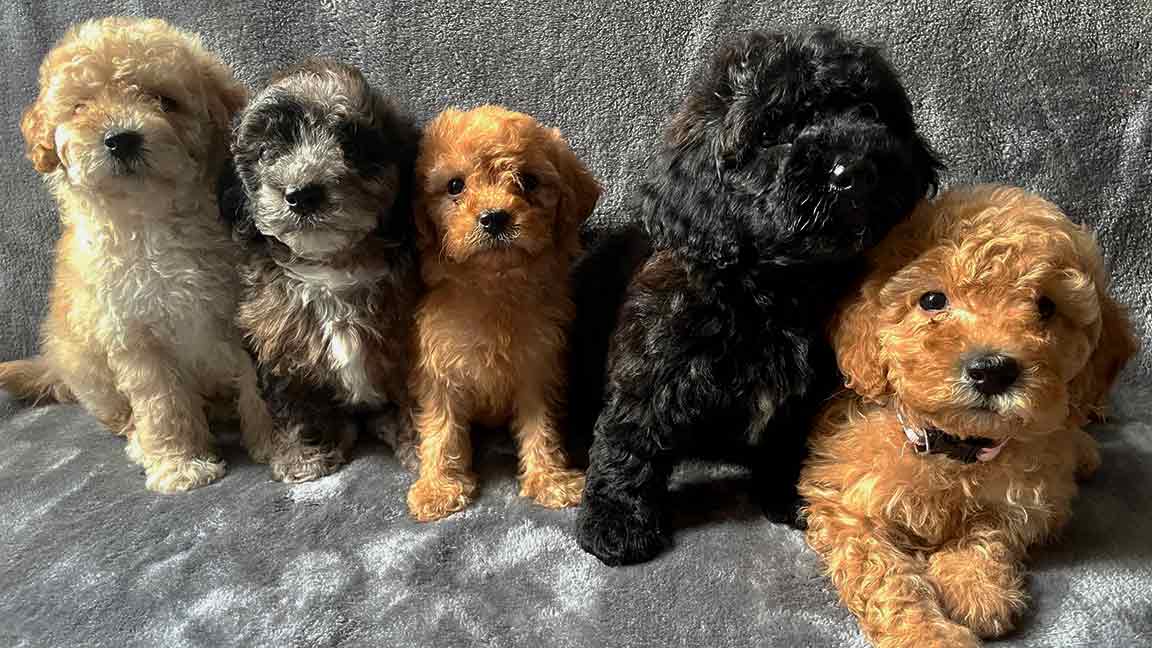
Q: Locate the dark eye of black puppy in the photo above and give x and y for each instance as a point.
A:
(529, 182)
(455, 186)
(1046, 308)
(933, 301)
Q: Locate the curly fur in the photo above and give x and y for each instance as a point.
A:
(927, 550)
(140, 326)
(328, 293)
(789, 157)
(492, 327)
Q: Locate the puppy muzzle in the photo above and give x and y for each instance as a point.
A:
(494, 222)
(305, 199)
(495, 228)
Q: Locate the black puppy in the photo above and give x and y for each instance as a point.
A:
(790, 156)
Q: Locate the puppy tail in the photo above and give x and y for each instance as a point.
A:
(32, 380)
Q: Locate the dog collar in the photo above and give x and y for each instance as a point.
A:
(933, 440)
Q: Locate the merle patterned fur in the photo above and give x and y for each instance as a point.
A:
(329, 291)
(791, 155)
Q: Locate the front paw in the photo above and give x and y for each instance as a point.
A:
(554, 489)
(1089, 461)
(408, 454)
(943, 634)
(984, 595)
(620, 533)
(178, 475)
(261, 453)
(435, 498)
(306, 463)
(394, 426)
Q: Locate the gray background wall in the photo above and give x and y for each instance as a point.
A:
(1054, 96)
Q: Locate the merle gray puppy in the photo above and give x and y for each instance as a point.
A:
(791, 155)
(322, 206)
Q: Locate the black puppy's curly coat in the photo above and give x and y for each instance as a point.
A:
(789, 157)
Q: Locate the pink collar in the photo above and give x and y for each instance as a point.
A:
(936, 441)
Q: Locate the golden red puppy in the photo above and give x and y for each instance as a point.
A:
(500, 200)
(978, 348)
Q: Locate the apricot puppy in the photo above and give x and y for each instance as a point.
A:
(978, 348)
(130, 132)
(499, 204)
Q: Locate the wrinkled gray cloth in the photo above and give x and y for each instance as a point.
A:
(1054, 96)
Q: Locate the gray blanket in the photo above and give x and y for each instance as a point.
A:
(1054, 96)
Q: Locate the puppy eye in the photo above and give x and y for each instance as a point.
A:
(168, 104)
(79, 108)
(933, 301)
(529, 182)
(869, 111)
(1046, 308)
(455, 186)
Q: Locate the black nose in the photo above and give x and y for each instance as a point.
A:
(494, 221)
(851, 174)
(124, 144)
(305, 199)
(992, 373)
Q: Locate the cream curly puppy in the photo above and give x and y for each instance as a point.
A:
(130, 131)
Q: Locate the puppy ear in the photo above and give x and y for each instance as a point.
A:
(426, 238)
(581, 191)
(682, 207)
(225, 95)
(854, 333)
(40, 139)
(1089, 389)
(233, 203)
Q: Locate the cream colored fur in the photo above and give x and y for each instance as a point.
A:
(140, 326)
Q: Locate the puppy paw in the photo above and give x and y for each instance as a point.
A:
(409, 457)
(554, 489)
(135, 452)
(396, 430)
(178, 475)
(432, 499)
(261, 453)
(1089, 461)
(121, 423)
(983, 594)
(936, 635)
(306, 464)
(619, 533)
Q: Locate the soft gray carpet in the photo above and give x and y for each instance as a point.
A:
(1055, 96)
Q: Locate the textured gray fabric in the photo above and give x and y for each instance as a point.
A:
(1054, 96)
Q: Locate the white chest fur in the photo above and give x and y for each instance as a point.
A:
(344, 327)
(346, 358)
